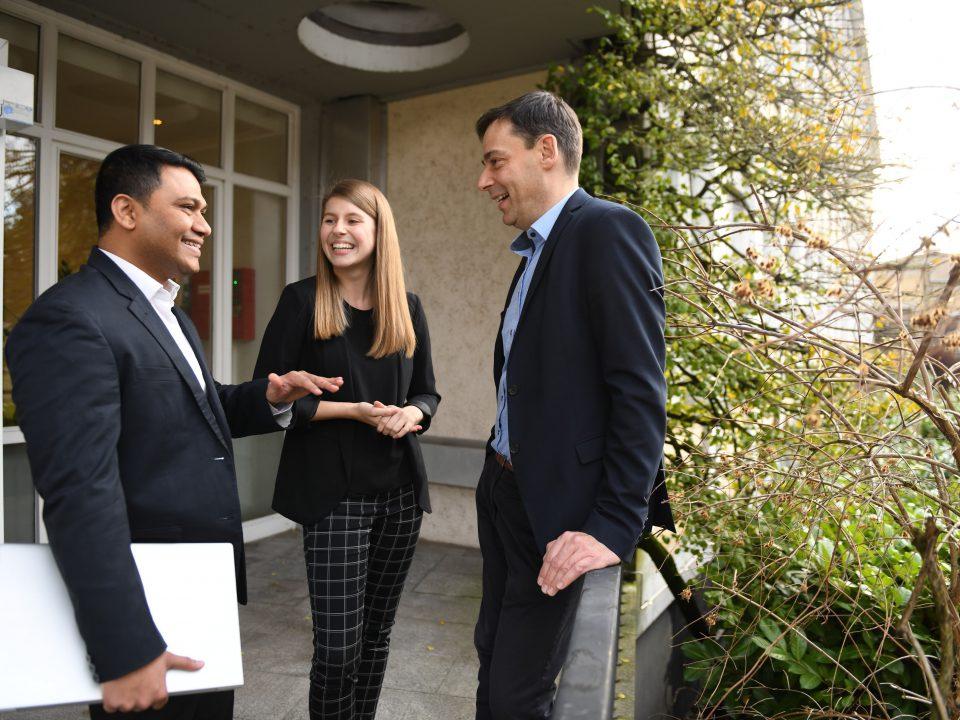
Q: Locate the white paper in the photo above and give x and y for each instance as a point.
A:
(191, 591)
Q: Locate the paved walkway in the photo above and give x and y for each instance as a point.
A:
(433, 666)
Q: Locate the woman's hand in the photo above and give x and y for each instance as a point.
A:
(366, 413)
(398, 421)
(390, 420)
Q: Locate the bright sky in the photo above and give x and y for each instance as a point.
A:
(914, 43)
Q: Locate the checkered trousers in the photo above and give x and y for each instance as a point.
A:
(357, 561)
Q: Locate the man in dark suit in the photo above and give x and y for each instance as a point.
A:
(127, 433)
(573, 474)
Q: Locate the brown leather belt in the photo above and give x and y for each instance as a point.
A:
(503, 462)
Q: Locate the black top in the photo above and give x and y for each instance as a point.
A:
(316, 468)
(377, 459)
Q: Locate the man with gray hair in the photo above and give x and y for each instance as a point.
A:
(574, 474)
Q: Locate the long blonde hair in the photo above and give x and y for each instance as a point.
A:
(393, 328)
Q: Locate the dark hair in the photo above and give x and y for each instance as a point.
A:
(134, 170)
(536, 114)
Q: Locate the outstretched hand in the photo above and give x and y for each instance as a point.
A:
(146, 687)
(570, 556)
(296, 384)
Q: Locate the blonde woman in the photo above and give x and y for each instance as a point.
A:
(351, 471)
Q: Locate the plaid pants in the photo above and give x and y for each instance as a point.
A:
(357, 561)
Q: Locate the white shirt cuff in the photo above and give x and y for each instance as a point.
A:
(283, 414)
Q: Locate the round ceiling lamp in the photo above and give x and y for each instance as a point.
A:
(383, 36)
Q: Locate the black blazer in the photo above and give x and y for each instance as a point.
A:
(124, 446)
(586, 393)
(314, 472)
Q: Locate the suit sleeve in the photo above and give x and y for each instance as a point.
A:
(627, 315)
(422, 392)
(67, 391)
(280, 350)
(247, 409)
(245, 405)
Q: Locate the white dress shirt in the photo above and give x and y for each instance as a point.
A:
(161, 298)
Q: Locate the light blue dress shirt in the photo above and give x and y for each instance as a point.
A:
(529, 245)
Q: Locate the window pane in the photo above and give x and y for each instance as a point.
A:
(259, 251)
(261, 141)
(196, 296)
(19, 500)
(77, 219)
(19, 242)
(188, 118)
(24, 53)
(98, 92)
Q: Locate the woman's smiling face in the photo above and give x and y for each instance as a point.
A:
(347, 234)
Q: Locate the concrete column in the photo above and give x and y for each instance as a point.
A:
(354, 141)
(310, 193)
(349, 136)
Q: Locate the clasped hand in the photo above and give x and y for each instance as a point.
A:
(570, 556)
(390, 420)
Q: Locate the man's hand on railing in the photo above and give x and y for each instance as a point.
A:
(570, 556)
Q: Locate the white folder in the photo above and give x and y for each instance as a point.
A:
(191, 591)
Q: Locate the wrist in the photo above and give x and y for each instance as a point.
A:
(353, 412)
(415, 413)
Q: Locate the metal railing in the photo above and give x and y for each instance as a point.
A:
(586, 689)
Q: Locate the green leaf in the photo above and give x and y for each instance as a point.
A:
(770, 629)
(798, 644)
(809, 681)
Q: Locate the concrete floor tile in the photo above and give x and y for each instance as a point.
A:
(443, 582)
(465, 561)
(393, 704)
(416, 669)
(65, 712)
(425, 606)
(274, 590)
(461, 681)
(454, 640)
(269, 695)
(439, 707)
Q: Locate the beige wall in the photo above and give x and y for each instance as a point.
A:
(454, 244)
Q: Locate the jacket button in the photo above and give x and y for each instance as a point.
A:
(512, 390)
(514, 448)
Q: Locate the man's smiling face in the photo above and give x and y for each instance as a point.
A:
(171, 228)
(513, 175)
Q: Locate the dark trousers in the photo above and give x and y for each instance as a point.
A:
(201, 706)
(357, 562)
(522, 634)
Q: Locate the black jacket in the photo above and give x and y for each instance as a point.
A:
(124, 445)
(586, 394)
(314, 472)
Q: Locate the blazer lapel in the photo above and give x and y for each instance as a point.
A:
(211, 408)
(498, 344)
(145, 313)
(573, 204)
(151, 321)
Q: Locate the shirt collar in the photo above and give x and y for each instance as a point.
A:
(146, 284)
(542, 227)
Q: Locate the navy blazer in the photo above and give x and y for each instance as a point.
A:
(124, 446)
(315, 463)
(586, 389)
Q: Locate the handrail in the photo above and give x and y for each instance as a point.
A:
(586, 687)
